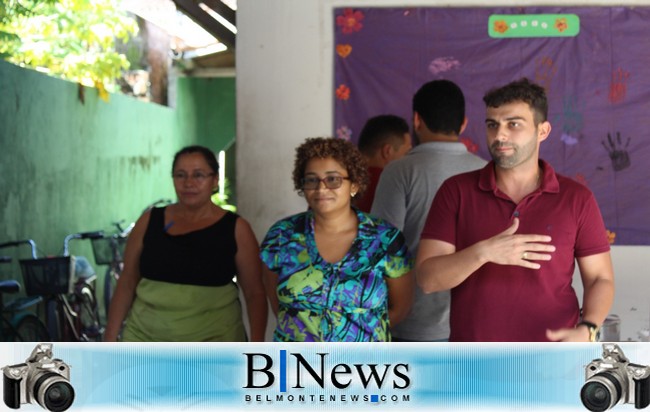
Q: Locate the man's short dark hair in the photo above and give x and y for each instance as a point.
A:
(380, 130)
(522, 90)
(441, 106)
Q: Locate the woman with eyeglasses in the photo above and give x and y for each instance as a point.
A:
(180, 264)
(334, 273)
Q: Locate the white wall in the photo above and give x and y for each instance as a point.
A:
(285, 94)
(632, 299)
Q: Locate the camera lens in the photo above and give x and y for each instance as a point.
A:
(601, 392)
(596, 397)
(59, 396)
(53, 392)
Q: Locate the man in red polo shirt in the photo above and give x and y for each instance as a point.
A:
(505, 238)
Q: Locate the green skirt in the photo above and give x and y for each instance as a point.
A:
(171, 312)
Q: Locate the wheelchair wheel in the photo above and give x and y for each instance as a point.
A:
(31, 329)
(54, 323)
(110, 283)
(89, 314)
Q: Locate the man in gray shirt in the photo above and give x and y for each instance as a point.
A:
(407, 187)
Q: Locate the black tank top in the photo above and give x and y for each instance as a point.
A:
(205, 257)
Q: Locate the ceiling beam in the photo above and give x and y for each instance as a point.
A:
(206, 21)
(224, 11)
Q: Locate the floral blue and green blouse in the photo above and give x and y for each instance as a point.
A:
(345, 301)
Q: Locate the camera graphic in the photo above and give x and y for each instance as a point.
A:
(613, 380)
(41, 379)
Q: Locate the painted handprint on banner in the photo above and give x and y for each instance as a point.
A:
(572, 115)
(572, 120)
(618, 88)
(545, 71)
(617, 151)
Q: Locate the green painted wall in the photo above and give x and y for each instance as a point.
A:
(207, 107)
(68, 166)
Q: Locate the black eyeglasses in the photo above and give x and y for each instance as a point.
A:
(196, 176)
(331, 182)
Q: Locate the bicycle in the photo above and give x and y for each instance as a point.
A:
(18, 322)
(109, 250)
(66, 284)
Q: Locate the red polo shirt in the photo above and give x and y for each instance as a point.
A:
(512, 303)
(365, 202)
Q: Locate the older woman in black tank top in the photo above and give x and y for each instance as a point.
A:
(180, 265)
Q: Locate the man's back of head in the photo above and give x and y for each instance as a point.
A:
(384, 137)
(440, 104)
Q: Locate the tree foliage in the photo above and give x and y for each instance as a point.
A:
(72, 39)
(12, 8)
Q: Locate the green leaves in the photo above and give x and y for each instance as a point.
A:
(72, 39)
(10, 9)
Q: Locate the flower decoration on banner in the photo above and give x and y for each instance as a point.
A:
(611, 236)
(350, 21)
(443, 64)
(343, 50)
(580, 178)
(561, 24)
(500, 26)
(469, 144)
(343, 92)
(344, 133)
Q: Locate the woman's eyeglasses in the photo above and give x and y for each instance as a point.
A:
(331, 182)
(196, 176)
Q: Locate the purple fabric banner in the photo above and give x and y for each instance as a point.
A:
(597, 78)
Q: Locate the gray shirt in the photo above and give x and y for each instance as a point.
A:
(404, 195)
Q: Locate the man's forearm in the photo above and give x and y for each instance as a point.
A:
(597, 300)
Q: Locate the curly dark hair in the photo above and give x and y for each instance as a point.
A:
(344, 152)
(522, 90)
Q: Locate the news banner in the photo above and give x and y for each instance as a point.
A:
(355, 376)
